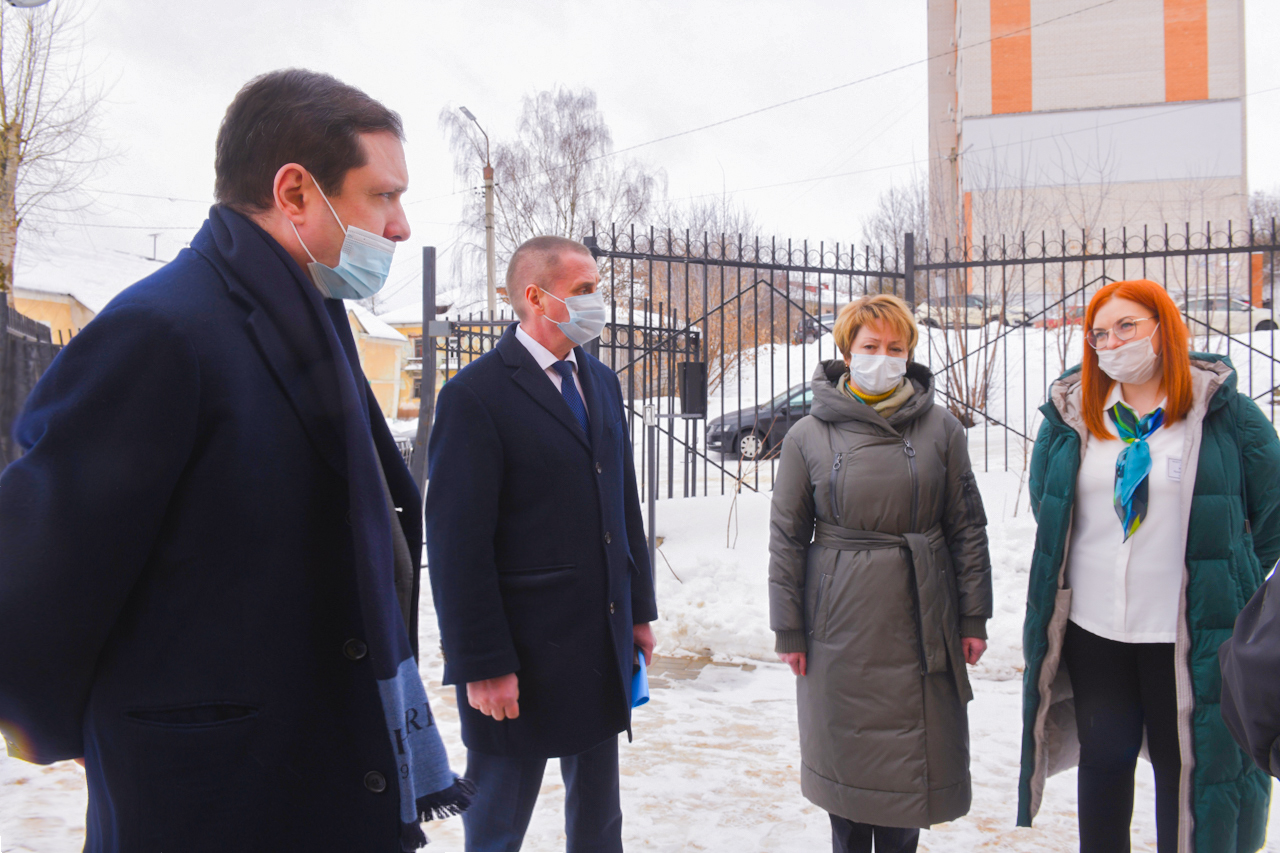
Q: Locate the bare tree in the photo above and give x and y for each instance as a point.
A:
(899, 210)
(49, 105)
(556, 176)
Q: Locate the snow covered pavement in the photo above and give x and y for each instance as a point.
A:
(715, 761)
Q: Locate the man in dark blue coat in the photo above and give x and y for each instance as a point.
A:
(536, 551)
(208, 554)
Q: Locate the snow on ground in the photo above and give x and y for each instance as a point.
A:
(715, 761)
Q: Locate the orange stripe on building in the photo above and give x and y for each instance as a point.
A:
(1186, 50)
(1010, 56)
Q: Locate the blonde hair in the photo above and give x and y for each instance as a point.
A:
(880, 308)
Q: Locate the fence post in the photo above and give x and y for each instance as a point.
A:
(427, 400)
(909, 250)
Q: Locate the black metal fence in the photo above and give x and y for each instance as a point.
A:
(756, 313)
(26, 350)
(995, 363)
(1000, 319)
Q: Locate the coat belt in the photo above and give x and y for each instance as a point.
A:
(934, 609)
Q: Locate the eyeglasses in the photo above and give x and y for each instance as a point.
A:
(1125, 330)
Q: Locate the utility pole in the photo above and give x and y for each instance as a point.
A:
(488, 218)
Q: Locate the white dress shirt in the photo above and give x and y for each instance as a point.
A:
(546, 358)
(1128, 591)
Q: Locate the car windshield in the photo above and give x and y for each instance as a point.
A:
(782, 399)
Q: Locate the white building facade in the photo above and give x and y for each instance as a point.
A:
(1060, 118)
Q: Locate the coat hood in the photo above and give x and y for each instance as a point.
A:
(831, 405)
(1213, 381)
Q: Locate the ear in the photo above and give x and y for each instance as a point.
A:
(533, 298)
(290, 192)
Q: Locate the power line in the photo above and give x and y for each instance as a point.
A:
(785, 103)
(134, 227)
(146, 195)
(919, 161)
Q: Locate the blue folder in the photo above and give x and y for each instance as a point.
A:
(639, 682)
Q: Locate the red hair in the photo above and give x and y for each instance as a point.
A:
(1175, 343)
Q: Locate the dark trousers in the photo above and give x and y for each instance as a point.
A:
(507, 788)
(850, 837)
(1122, 690)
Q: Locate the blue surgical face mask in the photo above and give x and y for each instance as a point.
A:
(586, 316)
(362, 267)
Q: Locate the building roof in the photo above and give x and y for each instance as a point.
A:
(93, 278)
(372, 325)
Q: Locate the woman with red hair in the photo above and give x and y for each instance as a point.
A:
(1156, 489)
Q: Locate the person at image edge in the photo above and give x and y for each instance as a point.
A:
(537, 556)
(209, 553)
(1155, 485)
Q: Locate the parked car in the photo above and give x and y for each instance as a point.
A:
(1061, 315)
(757, 431)
(968, 311)
(1225, 314)
(810, 328)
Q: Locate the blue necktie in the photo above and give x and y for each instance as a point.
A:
(569, 391)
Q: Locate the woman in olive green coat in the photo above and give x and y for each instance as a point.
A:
(879, 586)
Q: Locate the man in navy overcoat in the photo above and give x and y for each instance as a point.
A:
(536, 551)
(179, 600)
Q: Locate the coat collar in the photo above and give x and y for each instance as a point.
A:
(526, 373)
(831, 405)
(268, 283)
(1213, 380)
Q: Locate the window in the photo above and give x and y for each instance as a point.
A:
(417, 387)
(800, 400)
(417, 350)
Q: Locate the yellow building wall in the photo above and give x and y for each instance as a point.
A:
(409, 403)
(63, 314)
(381, 360)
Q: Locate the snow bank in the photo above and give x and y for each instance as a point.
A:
(713, 563)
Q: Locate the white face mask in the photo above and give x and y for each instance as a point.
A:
(876, 374)
(1131, 364)
(587, 316)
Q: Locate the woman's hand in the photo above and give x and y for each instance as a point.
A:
(795, 660)
(973, 649)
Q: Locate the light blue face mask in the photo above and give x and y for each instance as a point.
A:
(586, 316)
(362, 267)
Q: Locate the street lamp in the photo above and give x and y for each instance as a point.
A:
(488, 217)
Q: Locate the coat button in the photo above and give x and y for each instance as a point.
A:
(612, 606)
(608, 537)
(375, 781)
(599, 468)
(354, 649)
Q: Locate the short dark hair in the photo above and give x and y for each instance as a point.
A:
(540, 256)
(293, 116)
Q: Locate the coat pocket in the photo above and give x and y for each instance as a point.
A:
(973, 501)
(536, 577)
(193, 716)
(821, 604)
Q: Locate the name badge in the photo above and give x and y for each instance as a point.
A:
(1175, 469)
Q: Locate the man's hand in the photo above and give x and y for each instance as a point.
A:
(495, 697)
(798, 661)
(643, 636)
(973, 649)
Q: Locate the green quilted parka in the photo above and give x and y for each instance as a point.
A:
(1231, 496)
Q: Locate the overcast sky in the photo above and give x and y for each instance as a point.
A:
(658, 68)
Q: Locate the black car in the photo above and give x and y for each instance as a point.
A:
(757, 432)
(810, 328)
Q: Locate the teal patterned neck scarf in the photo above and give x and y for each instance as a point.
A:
(1133, 465)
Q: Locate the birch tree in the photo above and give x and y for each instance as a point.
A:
(49, 104)
(557, 175)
